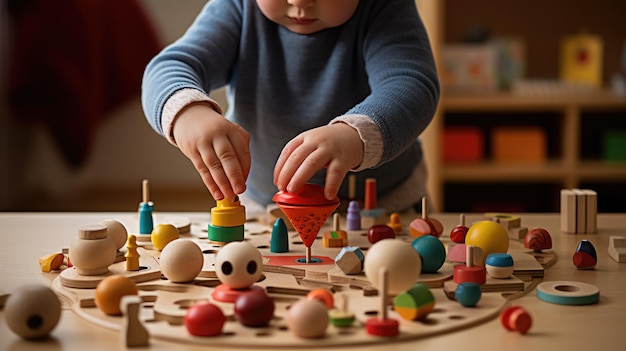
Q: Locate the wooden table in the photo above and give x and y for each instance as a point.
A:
(27, 236)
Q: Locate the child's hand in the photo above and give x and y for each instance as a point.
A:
(218, 148)
(336, 147)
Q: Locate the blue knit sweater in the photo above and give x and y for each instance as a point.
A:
(378, 64)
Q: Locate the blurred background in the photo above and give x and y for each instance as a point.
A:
(534, 101)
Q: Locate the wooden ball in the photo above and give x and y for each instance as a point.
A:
(239, 265)
(163, 234)
(490, 237)
(116, 231)
(500, 265)
(458, 233)
(432, 252)
(32, 311)
(308, 319)
(468, 294)
(254, 308)
(181, 261)
(110, 291)
(402, 262)
(204, 319)
(415, 303)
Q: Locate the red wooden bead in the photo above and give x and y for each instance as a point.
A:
(474, 274)
(204, 319)
(379, 232)
(458, 233)
(382, 327)
(515, 318)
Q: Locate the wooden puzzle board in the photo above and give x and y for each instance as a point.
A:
(165, 303)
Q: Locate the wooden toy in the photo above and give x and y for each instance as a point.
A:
(469, 272)
(162, 234)
(499, 265)
(579, 210)
(279, 242)
(238, 265)
(307, 211)
(32, 311)
(227, 221)
(254, 308)
(515, 318)
(378, 232)
(350, 260)
(181, 260)
(538, 239)
(323, 295)
(134, 333)
(568, 293)
(617, 248)
(166, 303)
(394, 223)
(110, 291)
(458, 233)
(308, 318)
(468, 294)
(341, 317)
(432, 251)
(585, 256)
(116, 231)
(92, 251)
(132, 256)
(146, 207)
(425, 225)
(392, 266)
(353, 216)
(335, 237)
(51, 262)
(371, 214)
(490, 237)
(463, 144)
(512, 224)
(415, 303)
(204, 319)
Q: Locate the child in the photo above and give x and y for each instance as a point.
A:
(316, 89)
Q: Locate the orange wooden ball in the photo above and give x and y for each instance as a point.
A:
(110, 291)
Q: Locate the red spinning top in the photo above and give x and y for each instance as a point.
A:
(307, 210)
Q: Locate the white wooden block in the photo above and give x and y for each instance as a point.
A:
(581, 211)
(592, 210)
(568, 211)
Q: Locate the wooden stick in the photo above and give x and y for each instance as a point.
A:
(424, 208)
(145, 191)
(384, 282)
(336, 221)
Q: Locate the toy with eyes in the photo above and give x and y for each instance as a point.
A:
(238, 266)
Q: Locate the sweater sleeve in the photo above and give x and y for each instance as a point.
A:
(201, 60)
(402, 76)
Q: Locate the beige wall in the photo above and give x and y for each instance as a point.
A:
(125, 150)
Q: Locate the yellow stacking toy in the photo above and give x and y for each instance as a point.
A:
(227, 220)
(490, 237)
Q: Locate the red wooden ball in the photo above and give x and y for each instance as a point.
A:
(254, 309)
(379, 232)
(204, 319)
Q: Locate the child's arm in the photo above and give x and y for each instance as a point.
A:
(336, 147)
(219, 149)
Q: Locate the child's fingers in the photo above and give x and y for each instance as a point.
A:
(335, 173)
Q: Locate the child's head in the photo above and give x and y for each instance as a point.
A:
(308, 16)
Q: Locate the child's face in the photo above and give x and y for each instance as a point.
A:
(308, 16)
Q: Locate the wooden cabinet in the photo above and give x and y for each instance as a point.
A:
(575, 124)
